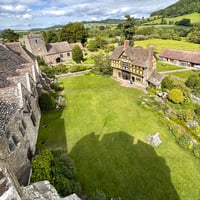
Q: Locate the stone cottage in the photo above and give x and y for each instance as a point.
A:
(135, 64)
(52, 53)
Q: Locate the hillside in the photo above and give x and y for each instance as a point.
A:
(182, 7)
(194, 19)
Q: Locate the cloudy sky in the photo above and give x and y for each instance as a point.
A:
(26, 14)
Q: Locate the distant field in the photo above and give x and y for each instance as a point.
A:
(194, 18)
(160, 44)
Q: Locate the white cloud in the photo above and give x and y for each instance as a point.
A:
(27, 16)
(42, 13)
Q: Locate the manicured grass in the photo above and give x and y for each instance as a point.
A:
(184, 74)
(170, 44)
(106, 129)
(162, 67)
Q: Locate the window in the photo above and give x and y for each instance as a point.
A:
(138, 79)
(33, 119)
(68, 54)
(61, 55)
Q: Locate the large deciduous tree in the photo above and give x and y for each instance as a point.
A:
(128, 28)
(9, 35)
(102, 65)
(77, 54)
(73, 32)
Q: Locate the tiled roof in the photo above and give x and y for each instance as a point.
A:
(187, 56)
(137, 55)
(20, 51)
(6, 111)
(156, 78)
(9, 62)
(59, 47)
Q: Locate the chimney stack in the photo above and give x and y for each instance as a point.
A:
(126, 44)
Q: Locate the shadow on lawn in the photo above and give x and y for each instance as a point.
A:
(120, 167)
(52, 131)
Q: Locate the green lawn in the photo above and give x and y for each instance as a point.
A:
(162, 67)
(160, 44)
(184, 74)
(104, 128)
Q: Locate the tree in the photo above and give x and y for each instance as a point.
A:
(194, 35)
(184, 22)
(9, 35)
(193, 82)
(51, 37)
(102, 65)
(77, 54)
(176, 95)
(46, 102)
(167, 83)
(128, 29)
(73, 32)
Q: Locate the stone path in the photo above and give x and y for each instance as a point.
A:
(126, 83)
(177, 70)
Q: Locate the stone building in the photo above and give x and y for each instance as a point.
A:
(181, 58)
(21, 82)
(52, 53)
(135, 64)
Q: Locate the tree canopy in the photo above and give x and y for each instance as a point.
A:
(182, 7)
(9, 35)
(73, 32)
(77, 54)
(128, 28)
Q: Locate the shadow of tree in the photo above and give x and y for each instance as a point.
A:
(120, 167)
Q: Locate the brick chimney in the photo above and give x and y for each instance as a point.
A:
(126, 44)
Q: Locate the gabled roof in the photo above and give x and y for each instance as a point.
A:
(58, 47)
(137, 55)
(187, 56)
(20, 51)
(156, 78)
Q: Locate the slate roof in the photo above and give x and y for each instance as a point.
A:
(187, 56)
(6, 111)
(156, 78)
(58, 47)
(9, 62)
(20, 51)
(137, 55)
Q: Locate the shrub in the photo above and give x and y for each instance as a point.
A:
(196, 150)
(46, 102)
(98, 195)
(167, 83)
(57, 87)
(184, 141)
(60, 69)
(176, 95)
(77, 54)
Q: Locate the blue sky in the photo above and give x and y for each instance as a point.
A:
(26, 14)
